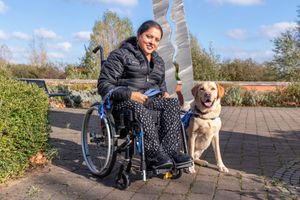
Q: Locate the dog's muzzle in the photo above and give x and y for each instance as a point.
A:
(208, 103)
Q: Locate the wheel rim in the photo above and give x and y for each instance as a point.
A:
(96, 142)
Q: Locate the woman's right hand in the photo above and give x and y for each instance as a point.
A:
(139, 97)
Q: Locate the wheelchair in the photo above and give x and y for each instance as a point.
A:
(103, 130)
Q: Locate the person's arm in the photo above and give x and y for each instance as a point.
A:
(111, 71)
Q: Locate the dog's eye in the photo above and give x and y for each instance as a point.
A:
(202, 88)
(213, 89)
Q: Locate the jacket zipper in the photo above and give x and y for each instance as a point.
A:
(148, 66)
(148, 69)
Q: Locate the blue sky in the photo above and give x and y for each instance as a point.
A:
(235, 28)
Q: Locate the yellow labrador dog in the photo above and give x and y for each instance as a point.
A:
(205, 123)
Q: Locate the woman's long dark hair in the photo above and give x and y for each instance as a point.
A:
(143, 28)
(147, 25)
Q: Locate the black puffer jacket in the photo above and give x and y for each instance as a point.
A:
(127, 69)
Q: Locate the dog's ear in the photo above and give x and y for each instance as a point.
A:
(195, 90)
(220, 91)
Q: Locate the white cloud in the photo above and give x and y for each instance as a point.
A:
(3, 35)
(65, 46)
(44, 33)
(237, 34)
(237, 2)
(245, 2)
(3, 7)
(125, 12)
(82, 35)
(276, 29)
(21, 36)
(127, 3)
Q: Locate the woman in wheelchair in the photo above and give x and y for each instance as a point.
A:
(128, 73)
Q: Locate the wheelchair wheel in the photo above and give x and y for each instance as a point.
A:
(98, 143)
(177, 174)
(123, 182)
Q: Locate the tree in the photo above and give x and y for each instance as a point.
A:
(287, 54)
(38, 56)
(205, 64)
(242, 70)
(298, 21)
(109, 33)
(5, 55)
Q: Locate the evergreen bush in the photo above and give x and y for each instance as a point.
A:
(4, 73)
(24, 127)
(233, 96)
(289, 96)
(270, 99)
(251, 98)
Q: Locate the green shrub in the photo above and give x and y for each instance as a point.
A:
(4, 73)
(251, 98)
(269, 98)
(291, 95)
(233, 96)
(79, 95)
(23, 125)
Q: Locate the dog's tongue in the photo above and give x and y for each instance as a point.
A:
(208, 104)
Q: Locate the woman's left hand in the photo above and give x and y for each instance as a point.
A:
(166, 95)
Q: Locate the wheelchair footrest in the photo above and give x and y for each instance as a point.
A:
(183, 165)
(158, 171)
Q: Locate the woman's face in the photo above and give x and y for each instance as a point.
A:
(149, 40)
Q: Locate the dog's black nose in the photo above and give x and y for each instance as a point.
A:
(207, 95)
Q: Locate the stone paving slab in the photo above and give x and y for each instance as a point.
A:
(260, 146)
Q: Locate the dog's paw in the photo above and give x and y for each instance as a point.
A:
(191, 170)
(222, 168)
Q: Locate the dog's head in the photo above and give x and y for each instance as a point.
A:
(207, 95)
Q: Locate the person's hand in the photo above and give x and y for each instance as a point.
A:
(166, 95)
(139, 97)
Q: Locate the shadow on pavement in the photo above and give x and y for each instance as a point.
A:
(70, 150)
(246, 152)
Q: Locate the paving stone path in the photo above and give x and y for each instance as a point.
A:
(260, 146)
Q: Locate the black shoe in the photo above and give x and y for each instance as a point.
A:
(181, 158)
(160, 161)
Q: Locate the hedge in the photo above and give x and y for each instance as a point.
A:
(24, 127)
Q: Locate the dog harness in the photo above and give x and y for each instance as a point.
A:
(197, 113)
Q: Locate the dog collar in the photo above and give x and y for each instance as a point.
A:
(200, 114)
(197, 111)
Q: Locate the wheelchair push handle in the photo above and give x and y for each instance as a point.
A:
(99, 48)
